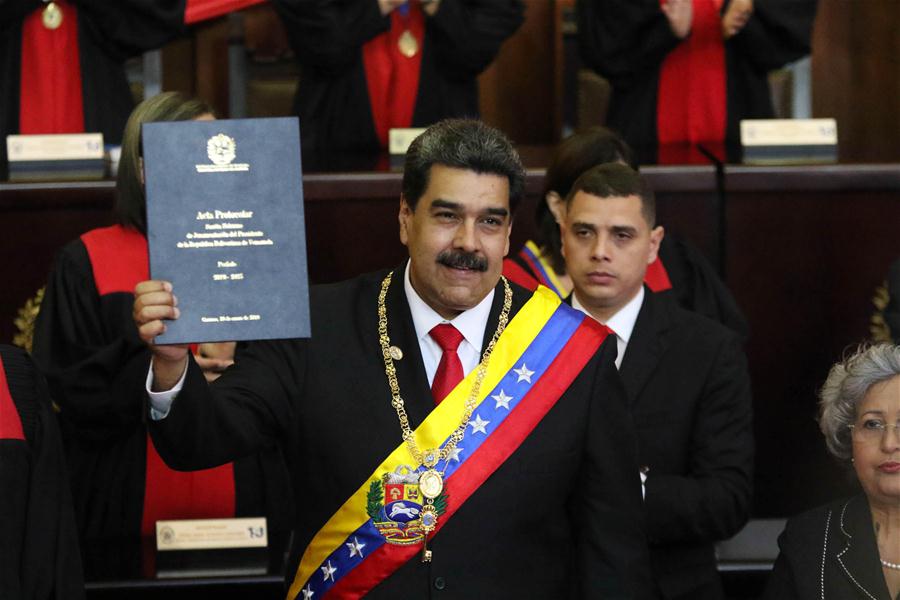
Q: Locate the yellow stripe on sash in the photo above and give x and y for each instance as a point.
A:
(433, 431)
(548, 268)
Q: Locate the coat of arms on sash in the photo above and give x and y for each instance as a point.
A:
(398, 509)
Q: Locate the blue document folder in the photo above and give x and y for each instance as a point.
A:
(225, 226)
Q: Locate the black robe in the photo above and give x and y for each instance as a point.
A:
(626, 41)
(39, 557)
(88, 347)
(108, 34)
(332, 99)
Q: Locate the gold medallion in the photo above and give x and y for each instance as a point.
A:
(52, 17)
(431, 484)
(396, 353)
(408, 44)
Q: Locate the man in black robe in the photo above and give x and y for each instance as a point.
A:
(627, 41)
(39, 557)
(108, 34)
(461, 38)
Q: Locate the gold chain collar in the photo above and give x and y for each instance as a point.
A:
(432, 457)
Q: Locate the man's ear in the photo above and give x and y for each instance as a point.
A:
(656, 238)
(557, 206)
(403, 217)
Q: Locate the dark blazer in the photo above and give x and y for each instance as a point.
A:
(689, 394)
(560, 518)
(829, 553)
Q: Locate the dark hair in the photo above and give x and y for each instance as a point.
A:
(463, 144)
(574, 155)
(615, 180)
(169, 106)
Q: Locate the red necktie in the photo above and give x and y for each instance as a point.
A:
(449, 372)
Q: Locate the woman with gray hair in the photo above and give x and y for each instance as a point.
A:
(851, 548)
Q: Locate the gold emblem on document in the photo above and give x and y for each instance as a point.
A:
(221, 149)
(408, 44)
(52, 16)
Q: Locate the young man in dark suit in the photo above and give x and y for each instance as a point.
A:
(685, 377)
(522, 482)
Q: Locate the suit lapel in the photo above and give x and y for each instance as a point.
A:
(858, 557)
(648, 342)
(411, 377)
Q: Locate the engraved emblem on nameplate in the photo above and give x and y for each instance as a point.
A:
(408, 44)
(52, 16)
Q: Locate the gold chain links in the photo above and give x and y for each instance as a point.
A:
(391, 372)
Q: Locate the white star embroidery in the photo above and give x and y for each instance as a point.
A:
(478, 425)
(523, 373)
(307, 592)
(502, 400)
(355, 548)
(454, 454)
(328, 570)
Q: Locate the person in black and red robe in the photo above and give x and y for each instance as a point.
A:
(39, 557)
(370, 65)
(62, 62)
(687, 71)
(86, 343)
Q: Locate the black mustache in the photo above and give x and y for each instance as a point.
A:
(462, 260)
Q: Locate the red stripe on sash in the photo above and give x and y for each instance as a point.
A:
(393, 79)
(691, 103)
(118, 257)
(201, 10)
(656, 277)
(10, 422)
(515, 273)
(50, 99)
(119, 261)
(505, 440)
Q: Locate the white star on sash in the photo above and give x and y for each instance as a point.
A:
(454, 454)
(502, 400)
(328, 570)
(307, 592)
(523, 373)
(355, 548)
(478, 425)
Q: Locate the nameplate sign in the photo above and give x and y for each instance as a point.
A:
(400, 138)
(69, 146)
(225, 226)
(211, 534)
(774, 141)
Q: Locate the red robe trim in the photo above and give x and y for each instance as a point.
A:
(201, 10)
(120, 261)
(10, 422)
(393, 79)
(691, 103)
(50, 99)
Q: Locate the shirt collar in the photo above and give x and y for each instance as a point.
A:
(471, 323)
(622, 323)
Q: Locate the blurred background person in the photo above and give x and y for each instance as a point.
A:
(680, 268)
(690, 70)
(62, 63)
(851, 548)
(371, 65)
(39, 557)
(86, 343)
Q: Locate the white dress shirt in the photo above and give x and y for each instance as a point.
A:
(622, 323)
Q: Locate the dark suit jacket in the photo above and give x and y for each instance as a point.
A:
(829, 553)
(560, 518)
(689, 393)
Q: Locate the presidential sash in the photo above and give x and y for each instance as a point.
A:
(533, 255)
(379, 528)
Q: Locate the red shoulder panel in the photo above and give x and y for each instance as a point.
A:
(119, 258)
